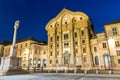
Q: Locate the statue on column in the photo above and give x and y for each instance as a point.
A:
(11, 63)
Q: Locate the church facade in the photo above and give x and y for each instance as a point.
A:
(72, 43)
(69, 35)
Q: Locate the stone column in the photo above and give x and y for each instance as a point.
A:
(89, 55)
(71, 48)
(79, 47)
(13, 50)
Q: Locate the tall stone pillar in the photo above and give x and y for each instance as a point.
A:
(72, 48)
(13, 48)
(11, 62)
(89, 54)
(79, 47)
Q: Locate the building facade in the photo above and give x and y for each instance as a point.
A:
(72, 43)
(69, 35)
(32, 52)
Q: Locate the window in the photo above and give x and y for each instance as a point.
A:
(84, 59)
(117, 44)
(57, 53)
(25, 44)
(65, 22)
(118, 61)
(76, 51)
(80, 18)
(57, 45)
(57, 38)
(44, 52)
(50, 61)
(95, 49)
(51, 39)
(21, 46)
(23, 65)
(51, 46)
(96, 60)
(84, 50)
(76, 43)
(66, 44)
(75, 34)
(82, 33)
(114, 31)
(104, 45)
(50, 53)
(118, 52)
(56, 61)
(83, 41)
(66, 36)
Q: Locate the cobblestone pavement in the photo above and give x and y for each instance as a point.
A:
(60, 76)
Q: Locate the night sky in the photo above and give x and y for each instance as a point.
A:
(35, 14)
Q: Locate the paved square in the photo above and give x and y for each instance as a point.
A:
(60, 76)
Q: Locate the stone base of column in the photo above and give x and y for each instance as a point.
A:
(11, 65)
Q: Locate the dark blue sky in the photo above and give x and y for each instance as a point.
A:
(35, 14)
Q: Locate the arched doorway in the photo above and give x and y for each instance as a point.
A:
(39, 61)
(106, 59)
(96, 60)
(44, 62)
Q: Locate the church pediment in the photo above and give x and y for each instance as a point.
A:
(66, 17)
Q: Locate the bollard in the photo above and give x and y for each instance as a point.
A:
(56, 71)
(85, 71)
(110, 72)
(65, 71)
(97, 71)
(75, 71)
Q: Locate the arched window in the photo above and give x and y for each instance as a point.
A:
(44, 62)
(96, 60)
(39, 62)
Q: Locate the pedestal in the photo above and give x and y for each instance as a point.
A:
(10, 64)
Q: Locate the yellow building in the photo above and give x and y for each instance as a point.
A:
(113, 35)
(106, 47)
(100, 51)
(32, 52)
(69, 35)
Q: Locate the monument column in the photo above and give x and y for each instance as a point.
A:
(11, 63)
(13, 50)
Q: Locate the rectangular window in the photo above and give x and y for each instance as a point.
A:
(50, 53)
(118, 61)
(50, 61)
(83, 41)
(66, 36)
(44, 52)
(51, 39)
(25, 44)
(51, 46)
(56, 61)
(117, 43)
(118, 52)
(75, 34)
(66, 44)
(57, 53)
(84, 50)
(82, 33)
(104, 45)
(114, 31)
(76, 51)
(57, 45)
(57, 38)
(76, 43)
(84, 59)
(95, 49)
